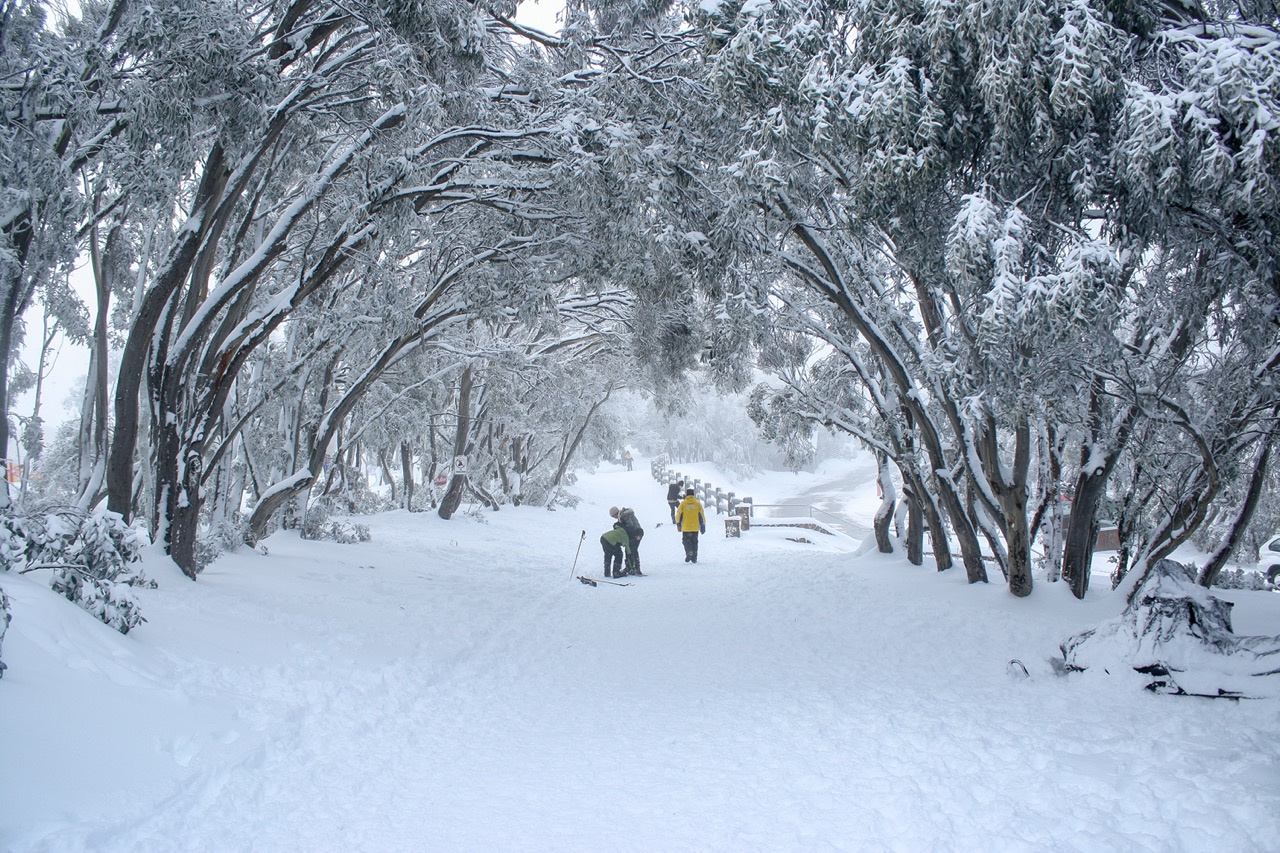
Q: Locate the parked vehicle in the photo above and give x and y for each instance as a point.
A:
(1269, 564)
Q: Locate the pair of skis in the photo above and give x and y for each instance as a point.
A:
(586, 580)
(593, 581)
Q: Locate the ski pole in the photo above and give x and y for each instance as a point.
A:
(582, 539)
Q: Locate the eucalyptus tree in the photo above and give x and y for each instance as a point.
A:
(977, 191)
(428, 302)
(59, 112)
(335, 130)
(547, 377)
(829, 379)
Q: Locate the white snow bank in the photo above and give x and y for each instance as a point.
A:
(448, 686)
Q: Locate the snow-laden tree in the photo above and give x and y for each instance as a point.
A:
(337, 145)
(59, 108)
(965, 186)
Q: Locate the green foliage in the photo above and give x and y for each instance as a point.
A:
(320, 526)
(92, 557)
(779, 415)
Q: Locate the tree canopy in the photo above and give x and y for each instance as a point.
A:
(1022, 251)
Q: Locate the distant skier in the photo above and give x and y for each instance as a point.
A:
(692, 521)
(627, 518)
(627, 456)
(673, 497)
(616, 545)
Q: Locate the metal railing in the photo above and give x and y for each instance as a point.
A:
(803, 511)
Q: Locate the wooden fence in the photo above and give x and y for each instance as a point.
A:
(737, 511)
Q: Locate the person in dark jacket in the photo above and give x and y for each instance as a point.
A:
(627, 518)
(616, 544)
(691, 521)
(673, 497)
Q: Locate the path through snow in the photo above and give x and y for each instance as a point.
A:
(448, 687)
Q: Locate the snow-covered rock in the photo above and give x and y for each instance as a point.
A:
(1177, 633)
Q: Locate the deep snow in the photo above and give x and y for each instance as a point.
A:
(449, 687)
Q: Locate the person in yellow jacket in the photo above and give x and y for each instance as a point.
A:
(690, 520)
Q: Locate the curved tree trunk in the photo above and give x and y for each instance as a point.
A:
(134, 357)
(458, 479)
(915, 525)
(406, 471)
(571, 447)
(831, 285)
(1096, 465)
(1252, 495)
(884, 515)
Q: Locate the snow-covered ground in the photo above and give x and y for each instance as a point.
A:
(448, 686)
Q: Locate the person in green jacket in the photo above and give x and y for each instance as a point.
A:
(616, 544)
(690, 520)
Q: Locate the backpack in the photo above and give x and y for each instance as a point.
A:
(631, 524)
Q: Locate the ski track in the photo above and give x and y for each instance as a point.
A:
(442, 691)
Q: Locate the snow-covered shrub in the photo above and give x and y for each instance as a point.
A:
(347, 491)
(91, 555)
(1241, 579)
(108, 599)
(217, 539)
(539, 495)
(318, 525)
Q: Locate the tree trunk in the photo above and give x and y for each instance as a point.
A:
(33, 435)
(452, 496)
(1012, 494)
(458, 479)
(184, 518)
(93, 417)
(915, 526)
(135, 355)
(386, 472)
(1253, 493)
(571, 446)
(15, 297)
(1082, 527)
(1082, 530)
(406, 471)
(884, 515)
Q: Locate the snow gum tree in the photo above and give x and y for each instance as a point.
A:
(342, 152)
(59, 113)
(963, 185)
(1019, 249)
